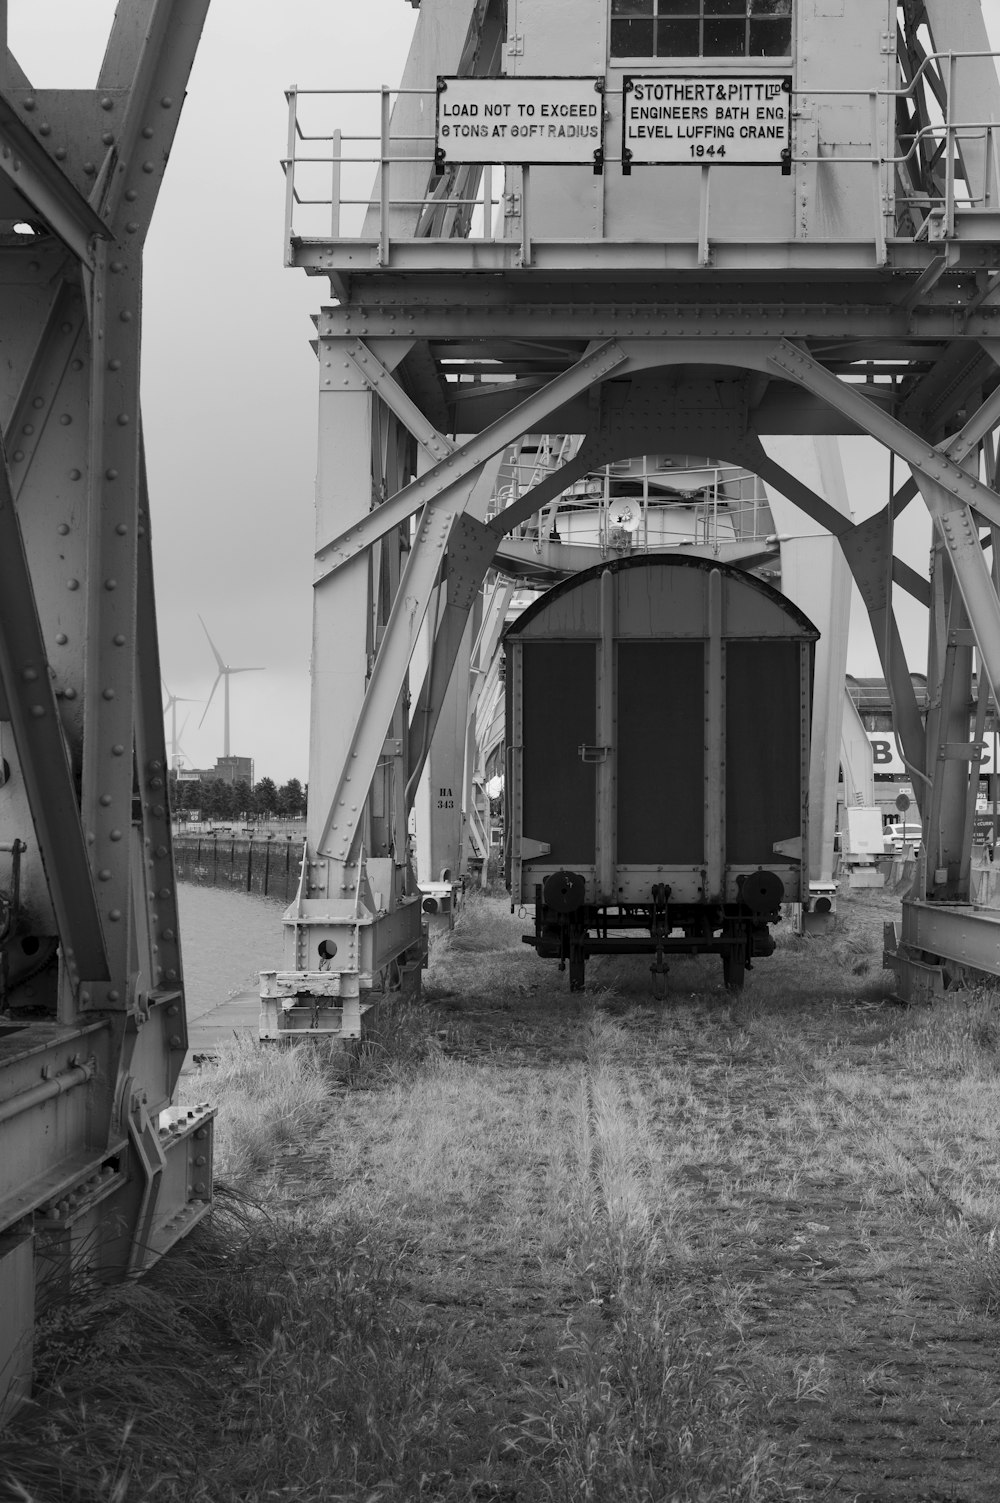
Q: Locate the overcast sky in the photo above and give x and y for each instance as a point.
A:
(229, 380)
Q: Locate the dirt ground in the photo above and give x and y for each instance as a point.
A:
(837, 1232)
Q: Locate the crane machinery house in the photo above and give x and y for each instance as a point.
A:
(706, 82)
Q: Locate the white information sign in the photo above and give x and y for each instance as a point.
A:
(687, 118)
(529, 121)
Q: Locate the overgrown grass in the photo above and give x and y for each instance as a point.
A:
(268, 1096)
(515, 1244)
(269, 1359)
(648, 1412)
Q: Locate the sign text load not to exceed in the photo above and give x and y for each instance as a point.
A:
(686, 118)
(529, 121)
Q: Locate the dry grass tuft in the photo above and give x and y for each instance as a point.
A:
(650, 1412)
(484, 926)
(267, 1360)
(268, 1096)
(959, 1035)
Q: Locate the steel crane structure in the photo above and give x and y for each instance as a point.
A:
(528, 263)
(98, 1177)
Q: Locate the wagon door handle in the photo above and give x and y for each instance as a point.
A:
(593, 753)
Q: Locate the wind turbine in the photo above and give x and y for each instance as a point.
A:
(224, 673)
(173, 700)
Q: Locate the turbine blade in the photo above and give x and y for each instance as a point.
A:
(218, 659)
(208, 701)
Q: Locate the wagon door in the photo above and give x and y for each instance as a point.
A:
(555, 698)
(661, 755)
(767, 740)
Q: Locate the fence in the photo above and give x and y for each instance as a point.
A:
(267, 866)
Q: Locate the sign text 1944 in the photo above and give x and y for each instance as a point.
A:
(689, 118)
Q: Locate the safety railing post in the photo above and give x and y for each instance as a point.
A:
(335, 151)
(879, 206)
(292, 97)
(704, 209)
(951, 146)
(487, 201)
(383, 222)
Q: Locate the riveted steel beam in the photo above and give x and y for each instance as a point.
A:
(159, 924)
(968, 936)
(151, 48)
(31, 703)
(865, 546)
(470, 554)
(957, 446)
(913, 583)
(799, 366)
(379, 380)
(438, 484)
(558, 318)
(45, 188)
(982, 422)
(960, 538)
(358, 261)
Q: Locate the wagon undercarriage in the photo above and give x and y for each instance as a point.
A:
(736, 932)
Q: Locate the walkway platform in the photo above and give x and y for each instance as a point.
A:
(216, 1024)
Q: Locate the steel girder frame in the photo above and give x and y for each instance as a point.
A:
(964, 613)
(440, 497)
(358, 912)
(350, 922)
(815, 574)
(438, 784)
(92, 1027)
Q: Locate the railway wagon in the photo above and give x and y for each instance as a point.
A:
(658, 714)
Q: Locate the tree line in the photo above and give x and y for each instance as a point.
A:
(213, 799)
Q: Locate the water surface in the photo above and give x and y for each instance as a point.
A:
(226, 938)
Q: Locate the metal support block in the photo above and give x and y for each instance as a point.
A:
(187, 1142)
(440, 901)
(336, 951)
(318, 1003)
(954, 932)
(17, 1319)
(915, 981)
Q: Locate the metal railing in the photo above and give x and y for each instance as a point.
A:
(375, 184)
(720, 503)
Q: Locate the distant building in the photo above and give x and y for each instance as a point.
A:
(234, 770)
(871, 696)
(226, 770)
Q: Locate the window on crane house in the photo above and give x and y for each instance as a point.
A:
(701, 28)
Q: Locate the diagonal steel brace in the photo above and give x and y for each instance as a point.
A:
(450, 473)
(388, 388)
(46, 189)
(930, 461)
